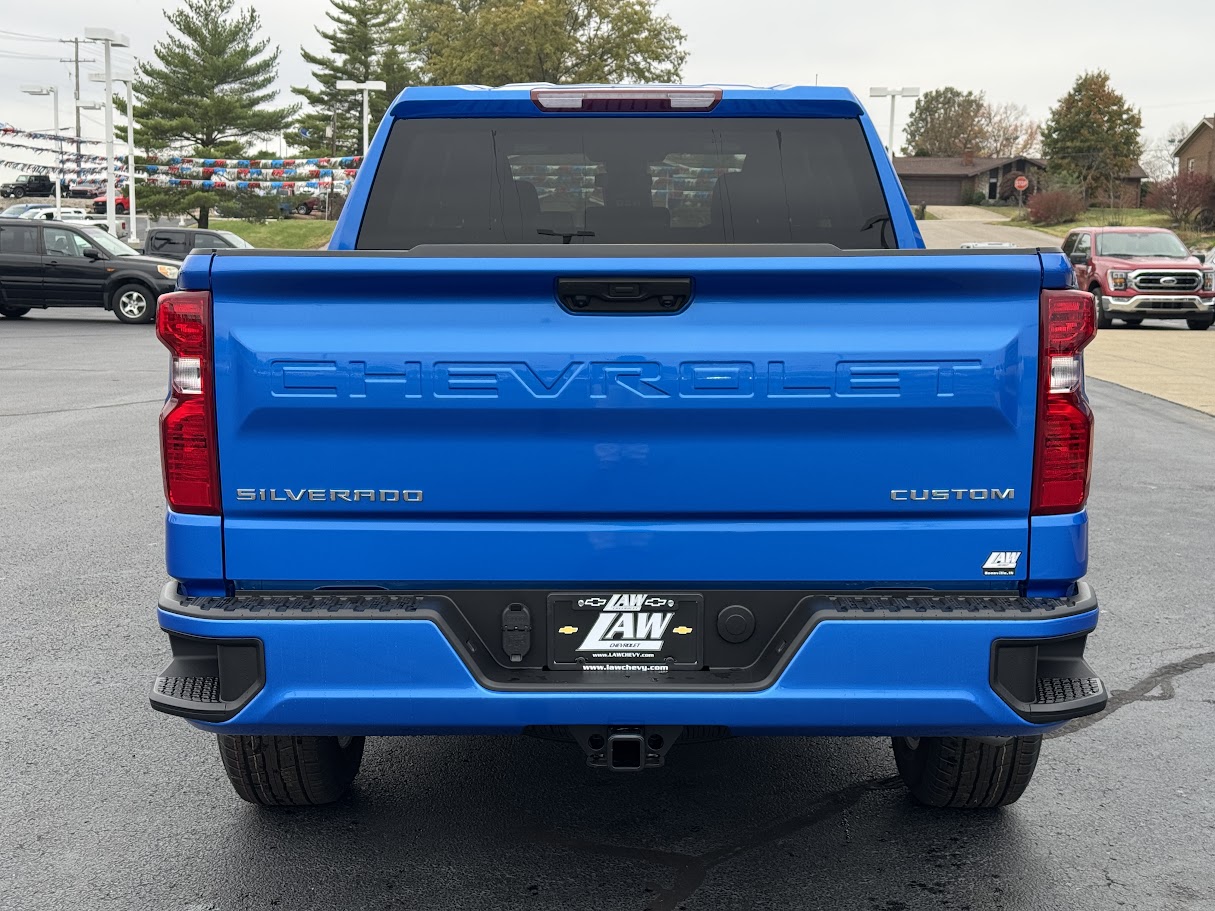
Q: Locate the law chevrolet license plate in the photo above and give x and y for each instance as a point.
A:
(622, 631)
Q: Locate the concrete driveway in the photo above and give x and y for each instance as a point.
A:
(957, 225)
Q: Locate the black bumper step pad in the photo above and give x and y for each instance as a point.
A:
(1053, 690)
(188, 689)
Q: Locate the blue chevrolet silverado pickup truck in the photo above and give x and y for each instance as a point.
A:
(631, 415)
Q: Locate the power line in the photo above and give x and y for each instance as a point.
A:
(5, 34)
(17, 55)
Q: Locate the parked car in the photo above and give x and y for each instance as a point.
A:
(1137, 273)
(122, 205)
(48, 212)
(53, 264)
(18, 209)
(300, 205)
(176, 243)
(28, 185)
(86, 188)
(508, 461)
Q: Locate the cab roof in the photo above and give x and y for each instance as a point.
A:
(519, 100)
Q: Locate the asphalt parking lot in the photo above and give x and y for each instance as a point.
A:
(107, 805)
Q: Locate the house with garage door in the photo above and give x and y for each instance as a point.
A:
(955, 181)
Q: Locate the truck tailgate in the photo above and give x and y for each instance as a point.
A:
(851, 417)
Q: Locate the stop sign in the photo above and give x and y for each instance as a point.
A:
(1021, 183)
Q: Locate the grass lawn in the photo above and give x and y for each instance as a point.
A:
(282, 234)
(1129, 217)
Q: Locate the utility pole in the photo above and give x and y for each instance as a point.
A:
(76, 60)
(109, 39)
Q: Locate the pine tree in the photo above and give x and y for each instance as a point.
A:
(364, 44)
(209, 88)
(211, 82)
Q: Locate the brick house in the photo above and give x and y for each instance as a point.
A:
(1196, 153)
(955, 181)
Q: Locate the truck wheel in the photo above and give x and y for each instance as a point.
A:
(1198, 324)
(301, 209)
(290, 771)
(1104, 320)
(966, 771)
(133, 303)
(120, 209)
(13, 312)
(1134, 321)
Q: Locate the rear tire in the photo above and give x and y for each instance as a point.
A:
(290, 771)
(1104, 320)
(13, 312)
(966, 772)
(133, 303)
(1199, 324)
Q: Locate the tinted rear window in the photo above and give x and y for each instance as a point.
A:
(616, 180)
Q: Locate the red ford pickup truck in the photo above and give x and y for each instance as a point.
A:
(1141, 273)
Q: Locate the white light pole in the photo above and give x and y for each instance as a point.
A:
(893, 95)
(54, 93)
(126, 79)
(85, 106)
(110, 39)
(375, 85)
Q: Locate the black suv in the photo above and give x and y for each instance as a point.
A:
(53, 264)
(28, 185)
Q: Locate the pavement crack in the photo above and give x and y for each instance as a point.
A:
(1162, 679)
(691, 869)
(25, 414)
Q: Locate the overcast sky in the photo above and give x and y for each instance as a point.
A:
(1031, 60)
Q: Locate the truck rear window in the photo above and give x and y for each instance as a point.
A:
(626, 180)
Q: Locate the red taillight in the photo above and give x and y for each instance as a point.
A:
(1063, 450)
(182, 322)
(1071, 321)
(188, 452)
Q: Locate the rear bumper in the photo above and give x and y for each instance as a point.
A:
(872, 668)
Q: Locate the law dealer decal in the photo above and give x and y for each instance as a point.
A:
(1002, 563)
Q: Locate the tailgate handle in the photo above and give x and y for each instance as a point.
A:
(624, 295)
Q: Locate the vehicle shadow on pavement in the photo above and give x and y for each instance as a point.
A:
(516, 822)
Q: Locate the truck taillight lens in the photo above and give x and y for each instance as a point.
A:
(188, 453)
(1063, 451)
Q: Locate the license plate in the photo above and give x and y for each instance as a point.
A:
(643, 631)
